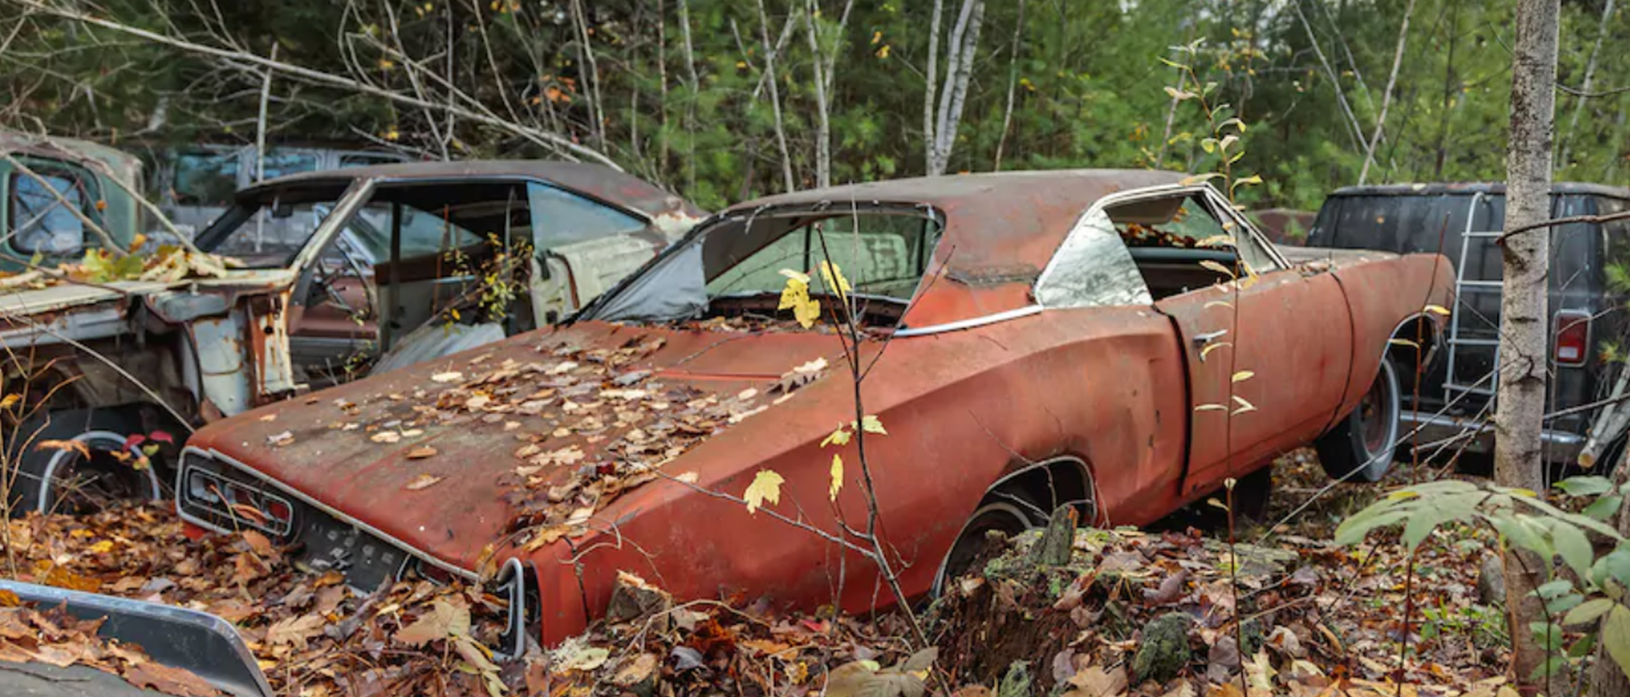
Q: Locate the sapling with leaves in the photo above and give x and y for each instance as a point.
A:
(1592, 590)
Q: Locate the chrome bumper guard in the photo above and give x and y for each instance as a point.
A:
(1449, 433)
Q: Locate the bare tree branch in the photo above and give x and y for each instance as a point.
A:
(1386, 96)
(553, 141)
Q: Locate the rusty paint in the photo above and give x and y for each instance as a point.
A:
(1109, 386)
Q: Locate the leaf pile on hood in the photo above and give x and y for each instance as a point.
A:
(312, 635)
(589, 424)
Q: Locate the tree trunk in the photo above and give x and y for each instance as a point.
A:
(1012, 83)
(1590, 74)
(958, 71)
(1518, 421)
(1386, 97)
(932, 76)
(775, 99)
(1357, 132)
(690, 99)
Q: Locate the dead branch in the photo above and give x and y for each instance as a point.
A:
(1386, 96)
(554, 141)
(1591, 219)
(1585, 92)
(775, 98)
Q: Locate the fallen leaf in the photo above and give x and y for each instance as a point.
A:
(442, 621)
(450, 376)
(386, 437)
(421, 452)
(423, 481)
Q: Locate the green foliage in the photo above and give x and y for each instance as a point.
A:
(1088, 88)
(1594, 592)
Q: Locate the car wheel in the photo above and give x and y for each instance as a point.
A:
(1361, 446)
(66, 480)
(974, 545)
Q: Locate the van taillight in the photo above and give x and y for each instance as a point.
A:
(1572, 338)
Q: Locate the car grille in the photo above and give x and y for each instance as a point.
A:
(225, 499)
(215, 495)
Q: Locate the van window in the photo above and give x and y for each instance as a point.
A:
(206, 178)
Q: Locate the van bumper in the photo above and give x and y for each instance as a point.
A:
(1446, 435)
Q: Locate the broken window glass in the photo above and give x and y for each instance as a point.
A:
(40, 221)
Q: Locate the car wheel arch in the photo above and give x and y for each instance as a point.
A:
(1058, 480)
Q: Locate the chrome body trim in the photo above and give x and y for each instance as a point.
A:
(971, 322)
(217, 456)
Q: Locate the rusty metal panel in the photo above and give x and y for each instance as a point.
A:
(1384, 294)
(1294, 335)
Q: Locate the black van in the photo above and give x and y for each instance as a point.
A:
(1589, 285)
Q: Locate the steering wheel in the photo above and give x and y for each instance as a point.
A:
(327, 279)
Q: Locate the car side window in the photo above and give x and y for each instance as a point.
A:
(39, 222)
(561, 217)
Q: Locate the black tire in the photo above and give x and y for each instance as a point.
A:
(972, 545)
(1361, 446)
(1251, 495)
(64, 481)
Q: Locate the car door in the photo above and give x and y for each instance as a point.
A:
(1268, 357)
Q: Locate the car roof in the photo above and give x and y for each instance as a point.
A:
(992, 220)
(1494, 188)
(596, 181)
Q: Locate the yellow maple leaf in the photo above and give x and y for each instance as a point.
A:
(833, 276)
(766, 486)
(837, 476)
(795, 296)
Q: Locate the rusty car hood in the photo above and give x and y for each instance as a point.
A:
(527, 436)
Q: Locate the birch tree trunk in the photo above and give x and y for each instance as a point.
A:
(775, 98)
(958, 71)
(1012, 84)
(1590, 74)
(1386, 97)
(1518, 421)
(824, 64)
(690, 99)
(932, 85)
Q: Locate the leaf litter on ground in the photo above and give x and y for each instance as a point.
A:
(1318, 619)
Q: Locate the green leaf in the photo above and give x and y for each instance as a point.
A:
(1574, 547)
(1553, 589)
(1553, 665)
(1603, 508)
(1353, 530)
(1616, 636)
(1614, 565)
(1581, 648)
(1588, 611)
(1585, 486)
(871, 424)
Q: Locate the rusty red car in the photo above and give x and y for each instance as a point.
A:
(1119, 341)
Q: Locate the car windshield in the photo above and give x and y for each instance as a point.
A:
(270, 232)
(739, 262)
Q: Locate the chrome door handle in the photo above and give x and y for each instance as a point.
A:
(1201, 340)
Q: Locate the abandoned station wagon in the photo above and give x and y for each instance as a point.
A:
(1051, 337)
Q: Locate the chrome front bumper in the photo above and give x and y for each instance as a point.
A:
(1448, 434)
